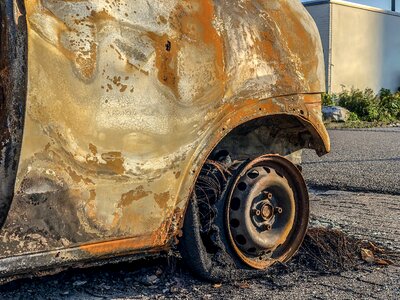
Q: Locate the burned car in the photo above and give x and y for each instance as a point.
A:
(132, 127)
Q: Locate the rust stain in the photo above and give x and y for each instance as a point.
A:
(294, 54)
(87, 61)
(166, 60)
(116, 220)
(117, 81)
(134, 195)
(99, 16)
(194, 23)
(93, 149)
(78, 178)
(163, 20)
(162, 199)
(206, 31)
(123, 245)
(114, 162)
(91, 205)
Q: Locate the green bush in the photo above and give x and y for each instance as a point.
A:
(389, 105)
(328, 99)
(365, 105)
(353, 117)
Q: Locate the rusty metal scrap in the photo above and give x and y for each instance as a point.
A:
(125, 101)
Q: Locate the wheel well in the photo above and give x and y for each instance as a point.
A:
(275, 134)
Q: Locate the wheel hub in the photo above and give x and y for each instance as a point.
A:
(267, 212)
(264, 213)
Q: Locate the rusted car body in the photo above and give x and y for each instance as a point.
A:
(109, 109)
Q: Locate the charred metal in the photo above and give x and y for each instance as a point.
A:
(111, 109)
(13, 85)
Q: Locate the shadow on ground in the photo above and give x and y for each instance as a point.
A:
(326, 253)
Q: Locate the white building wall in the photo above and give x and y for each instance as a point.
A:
(364, 46)
(321, 15)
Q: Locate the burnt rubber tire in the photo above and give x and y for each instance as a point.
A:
(216, 258)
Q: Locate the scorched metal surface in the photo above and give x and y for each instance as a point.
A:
(124, 103)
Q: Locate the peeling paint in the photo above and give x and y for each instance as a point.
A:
(132, 196)
(162, 199)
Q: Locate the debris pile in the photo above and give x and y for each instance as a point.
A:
(325, 251)
(329, 251)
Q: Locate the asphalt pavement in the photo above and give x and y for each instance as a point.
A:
(166, 278)
(363, 160)
(360, 160)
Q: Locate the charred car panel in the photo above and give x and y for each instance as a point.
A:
(13, 81)
(125, 102)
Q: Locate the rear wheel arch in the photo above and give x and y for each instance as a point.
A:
(304, 133)
(280, 134)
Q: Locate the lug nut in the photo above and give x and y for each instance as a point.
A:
(268, 227)
(258, 212)
(278, 210)
(267, 195)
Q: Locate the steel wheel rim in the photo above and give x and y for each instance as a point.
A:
(273, 217)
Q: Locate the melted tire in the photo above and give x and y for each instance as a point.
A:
(217, 267)
(218, 262)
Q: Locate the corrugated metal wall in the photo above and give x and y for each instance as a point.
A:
(321, 14)
(363, 48)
